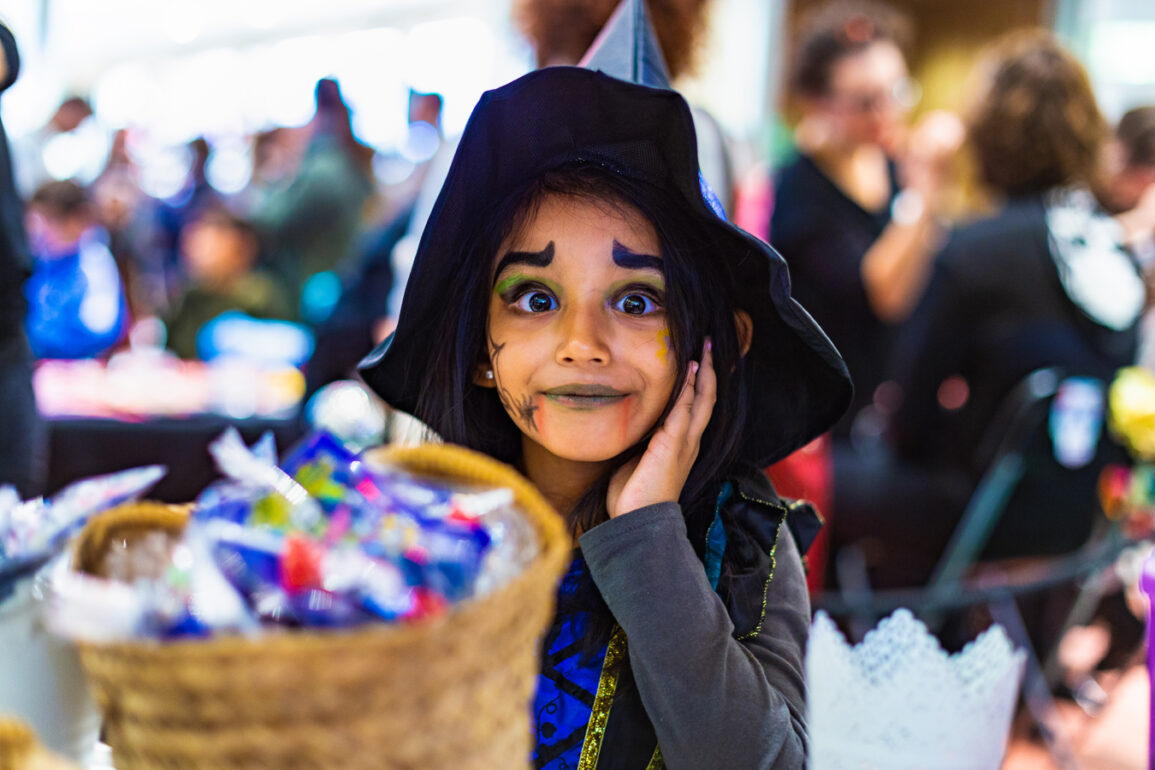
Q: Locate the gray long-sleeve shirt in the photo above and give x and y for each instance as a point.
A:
(714, 701)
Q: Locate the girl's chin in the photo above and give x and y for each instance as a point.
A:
(583, 446)
(585, 436)
(578, 453)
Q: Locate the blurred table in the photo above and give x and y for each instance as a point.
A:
(87, 447)
(147, 409)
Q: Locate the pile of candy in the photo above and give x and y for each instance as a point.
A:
(32, 531)
(324, 539)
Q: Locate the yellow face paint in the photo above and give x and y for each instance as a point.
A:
(664, 344)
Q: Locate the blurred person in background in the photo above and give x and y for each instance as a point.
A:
(1044, 282)
(855, 213)
(420, 151)
(361, 319)
(219, 252)
(312, 223)
(31, 171)
(275, 154)
(76, 302)
(128, 215)
(22, 444)
(174, 213)
(1131, 159)
(1129, 189)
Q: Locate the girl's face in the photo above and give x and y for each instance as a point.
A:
(578, 336)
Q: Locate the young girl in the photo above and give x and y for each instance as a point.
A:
(577, 309)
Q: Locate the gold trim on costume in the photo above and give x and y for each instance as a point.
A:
(656, 762)
(607, 686)
(766, 586)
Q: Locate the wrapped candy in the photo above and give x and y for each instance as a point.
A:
(324, 539)
(31, 532)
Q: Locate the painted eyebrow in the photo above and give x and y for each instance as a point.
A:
(533, 258)
(623, 257)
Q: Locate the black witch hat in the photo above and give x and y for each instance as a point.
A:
(619, 113)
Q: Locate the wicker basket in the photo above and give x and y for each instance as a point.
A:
(451, 692)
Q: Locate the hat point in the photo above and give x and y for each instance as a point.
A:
(627, 48)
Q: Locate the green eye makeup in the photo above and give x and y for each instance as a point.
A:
(506, 286)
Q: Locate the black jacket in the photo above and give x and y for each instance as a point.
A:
(15, 262)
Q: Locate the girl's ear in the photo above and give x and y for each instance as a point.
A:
(483, 376)
(744, 326)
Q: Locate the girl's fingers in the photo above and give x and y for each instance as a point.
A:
(678, 420)
(705, 394)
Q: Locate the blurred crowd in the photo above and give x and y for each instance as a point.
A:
(280, 249)
(947, 257)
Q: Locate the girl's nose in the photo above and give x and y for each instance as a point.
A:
(583, 336)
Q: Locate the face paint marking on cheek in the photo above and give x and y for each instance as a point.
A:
(527, 409)
(624, 419)
(539, 414)
(503, 395)
(663, 345)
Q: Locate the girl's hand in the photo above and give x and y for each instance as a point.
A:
(659, 474)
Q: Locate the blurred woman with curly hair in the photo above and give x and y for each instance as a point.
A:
(1044, 282)
(1037, 125)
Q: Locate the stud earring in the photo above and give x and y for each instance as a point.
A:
(489, 374)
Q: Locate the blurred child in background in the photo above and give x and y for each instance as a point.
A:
(219, 251)
(76, 302)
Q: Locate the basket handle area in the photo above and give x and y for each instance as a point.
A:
(456, 463)
(125, 521)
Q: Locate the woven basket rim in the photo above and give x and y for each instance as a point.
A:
(429, 459)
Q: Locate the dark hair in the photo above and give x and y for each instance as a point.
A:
(1038, 125)
(61, 199)
(836, 30)
(222, 215)
(700, 299)
(1136, 134)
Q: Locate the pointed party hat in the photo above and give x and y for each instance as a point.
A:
(627, 48)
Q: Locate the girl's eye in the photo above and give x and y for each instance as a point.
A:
(536, 302)
(636, 304)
